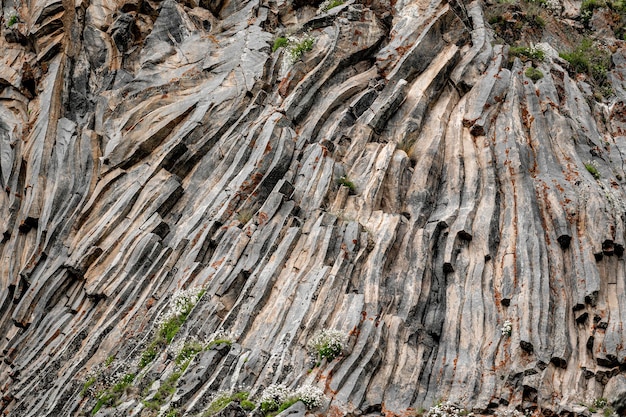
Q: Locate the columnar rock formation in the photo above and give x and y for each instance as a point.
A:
(404, 182)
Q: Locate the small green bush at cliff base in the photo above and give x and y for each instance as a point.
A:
(534, 74)
(447, 409)
(217, 342)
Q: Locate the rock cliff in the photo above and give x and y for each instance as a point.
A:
(192, 190)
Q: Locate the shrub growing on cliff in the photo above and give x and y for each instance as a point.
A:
(180, 307)
(447, 409)
(534, 74)
(526, 53)
(507, 328)
(326, 344)
(279, 42)
(328, 4)
(592, 168)
(297, 47)
(223, 398)
(277, 398)
(346, 182)
(591, 61)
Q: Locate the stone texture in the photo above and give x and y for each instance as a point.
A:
(148, 146)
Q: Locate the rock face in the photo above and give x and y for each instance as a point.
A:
(404, 182)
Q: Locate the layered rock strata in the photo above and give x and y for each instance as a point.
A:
(404, 182)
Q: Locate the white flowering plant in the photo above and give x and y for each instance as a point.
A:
(511, 412)
(274, 396)
(296, 47)
(277, 397)
(311, 396)
(327, 344)
(507, 328)
(180, 307)
(447, 409)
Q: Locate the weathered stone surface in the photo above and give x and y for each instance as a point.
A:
(403, 181)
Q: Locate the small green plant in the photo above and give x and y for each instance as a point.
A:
(87, 385)
(600, 403)
(216, 342)
(329, 4)
(587, 7)
(12, 20)
(297, 47)
(166, 390)
(326, 344)
(534, 74)
(346, 182)
(109, 361)
(526, 53)
(173, 413)
(181, 305)
(279, 42)
(148, 356)
(592, 168)
(591, 61)
(223, 398)
(187, 353)
(277, 398)
(111, 396)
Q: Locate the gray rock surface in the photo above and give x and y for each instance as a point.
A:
(403, 182)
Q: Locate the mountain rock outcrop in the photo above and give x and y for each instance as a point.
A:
(192, 190)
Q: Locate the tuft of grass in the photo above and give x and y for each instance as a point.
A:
(247, 405)
(587, 7)
(186, 354)
(87, 385)
(109, 361)
(591, 61)
(165, 391)
(534, 74)
(12, 20)
(330, 4)
(526, 53)
(222, 400)
(148, 355)
(217, 342)
(285, 405)
(279, 42)
(112, 396)
(346, 182)
(593, 170)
